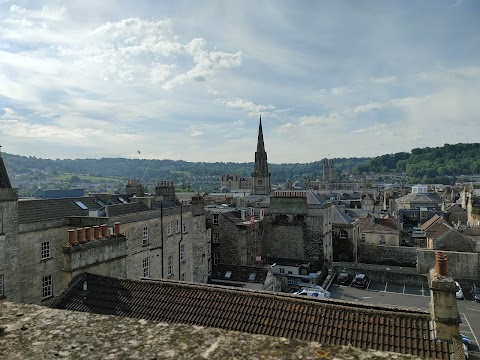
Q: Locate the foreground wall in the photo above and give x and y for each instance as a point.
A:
(35, 332)
(388, 255)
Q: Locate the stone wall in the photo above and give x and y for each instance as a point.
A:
(286, 241)
(461, 265)
(387, 255)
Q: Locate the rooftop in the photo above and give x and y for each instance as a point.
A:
(35, 332)
(324, 321)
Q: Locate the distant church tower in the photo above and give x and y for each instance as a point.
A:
(328, 170)
(261, 177)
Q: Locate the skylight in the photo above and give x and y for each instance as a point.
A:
(81, 205)
(228, 274)
(251, 277)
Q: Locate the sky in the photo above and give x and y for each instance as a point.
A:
(188, 80)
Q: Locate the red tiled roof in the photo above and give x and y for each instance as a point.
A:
(328, 321)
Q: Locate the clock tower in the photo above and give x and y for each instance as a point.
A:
(261, 177)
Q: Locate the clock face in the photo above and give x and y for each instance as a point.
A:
(259, 182)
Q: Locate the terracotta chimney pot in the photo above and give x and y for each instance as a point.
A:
(104, 230)
(96, 232)
(71, 237)
(80, 238)
(117, 229)
(88, 236)
(441, 265)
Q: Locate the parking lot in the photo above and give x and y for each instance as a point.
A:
(416, 297)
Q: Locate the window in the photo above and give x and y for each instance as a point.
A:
(47, 290)
(145, 236)
(182, 252)
(215, 219)
(363, 237)
(169, 228)
(170, 266)
(45, 250)
(177, 226)
(146, 267)
(343, 234)
(182, 277)
(282, 271)
(216, 258)
(184, 227)
(1, 285)
(382, 239)
(216, 238)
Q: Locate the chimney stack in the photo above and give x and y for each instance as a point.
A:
(443, 303)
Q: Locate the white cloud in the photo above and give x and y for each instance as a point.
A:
(250, 107)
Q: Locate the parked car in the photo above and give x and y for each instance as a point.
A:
(314, 293)
(466, 340)
(476, 294)
(360, 280)
(458, 291)
(465, 351)
(344, 278)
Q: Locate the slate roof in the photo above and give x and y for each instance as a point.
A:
(427, 199)
(275, 314)
(447, 238)
(123, 209)
(339, 216)
(240, 273)
(4, 179)
(48, 209)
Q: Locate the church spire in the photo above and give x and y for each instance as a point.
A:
(260, 144)
(261, 176)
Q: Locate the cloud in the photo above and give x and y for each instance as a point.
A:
(250, 107)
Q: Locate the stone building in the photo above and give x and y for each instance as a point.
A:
(235, 183)
(45, 243)
(328, 171)
(379, 231)
(236, 234)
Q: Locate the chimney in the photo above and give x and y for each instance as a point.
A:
(443, 304)
(104, 230)
(96, 232)
(88, 235)
(80, 238)
(71, 237)
(117, 229)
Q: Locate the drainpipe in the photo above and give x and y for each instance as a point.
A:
(161, 233)
(180, 242)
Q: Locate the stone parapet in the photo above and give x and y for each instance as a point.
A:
(35, 332)
(8, 194)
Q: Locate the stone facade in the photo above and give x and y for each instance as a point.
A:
(38, 258)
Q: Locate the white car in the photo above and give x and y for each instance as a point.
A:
(314, 293)
(458, 291)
